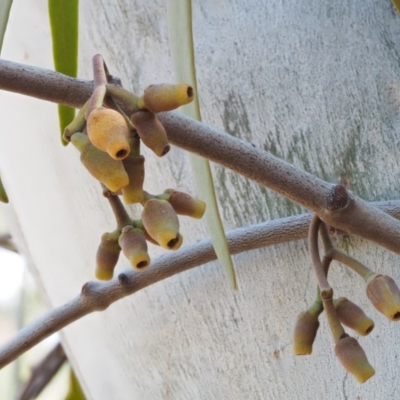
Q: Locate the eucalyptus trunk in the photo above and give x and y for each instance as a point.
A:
(316, 83)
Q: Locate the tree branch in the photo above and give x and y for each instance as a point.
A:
(97, 296)
(333, 204)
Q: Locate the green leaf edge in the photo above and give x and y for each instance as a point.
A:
(64, 23)
(5, 8)
(182, 51)
(396, 3)
(75, 391)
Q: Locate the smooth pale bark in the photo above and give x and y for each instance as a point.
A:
(315, 83)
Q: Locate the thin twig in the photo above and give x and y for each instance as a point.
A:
(43, 373)
(97, 296)
(334, 205)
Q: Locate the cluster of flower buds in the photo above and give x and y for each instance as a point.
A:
(347, 349)
(380, 289)
(159, 224)
(109, 143)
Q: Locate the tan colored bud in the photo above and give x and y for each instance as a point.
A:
(354, 359)
(134, 247)
(166, 97)
(161, 223)
(133, 192)
(384, 295)
(107, 256)
(151, 132)
(353, 316)
(101, 166)
(305, 331)
(108, 131)
(184, 204)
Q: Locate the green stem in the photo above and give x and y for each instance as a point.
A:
(121, 216)
(352, 263)
(326, 290)
(123, 96)
(334, 323)
(326, 240)
(99, 71)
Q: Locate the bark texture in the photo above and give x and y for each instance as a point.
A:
(315, 83)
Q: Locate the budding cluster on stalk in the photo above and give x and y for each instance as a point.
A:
(109, 144)
(380, 289)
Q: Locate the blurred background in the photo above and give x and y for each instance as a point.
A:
(20, 303)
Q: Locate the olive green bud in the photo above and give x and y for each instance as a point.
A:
(305, 329)
(384, 295)
(100, 165)
(133, 192)
(108, 131)
(184, 204)
(151, 132)
(354, 359)
(162, 224)
(353, 316)
(107, 256)
(165, 97)
(134, 247)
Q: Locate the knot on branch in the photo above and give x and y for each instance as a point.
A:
(338, 198)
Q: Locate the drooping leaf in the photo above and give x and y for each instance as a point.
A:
(64, 15)
(182, 50)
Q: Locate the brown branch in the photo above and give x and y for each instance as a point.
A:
(96, 296)
(333, 204)
(43, 373)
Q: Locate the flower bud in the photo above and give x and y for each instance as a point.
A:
(353, 316)
(305, 330)
(354, 359)
(134, 247)
(384, 295)
(108, 131)
(133, 192)
(165, 97)
(162, 224)
(101, 166)
(151, 132)
(107, 256)
(183, 204)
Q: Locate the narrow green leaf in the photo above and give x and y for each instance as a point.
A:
(75, 392)
(181, 45)
(5, 7)
(396, 3)
(64, 16)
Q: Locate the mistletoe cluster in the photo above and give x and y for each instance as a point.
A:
(109, 143)
(381, 290)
